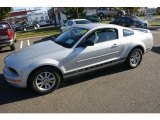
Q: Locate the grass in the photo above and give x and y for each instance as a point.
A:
(38, 32)
(154, 23)
(56, 30)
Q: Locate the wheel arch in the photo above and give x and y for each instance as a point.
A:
(33, 70)
(139, 47)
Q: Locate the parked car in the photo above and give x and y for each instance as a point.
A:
(109, 11)
(7, 35)
(130, 21)
(70, 23)
(17, 27)
(93, 18)
(81, 49)
(29, 26)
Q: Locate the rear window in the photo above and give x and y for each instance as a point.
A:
(127, 32)
(4, 26)
(82, 22)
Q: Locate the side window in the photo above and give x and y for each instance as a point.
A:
(70, 23)
(103, 35)
(128, 20)
(66, 23)
(118, 19)
(123, 19)
(127, 32)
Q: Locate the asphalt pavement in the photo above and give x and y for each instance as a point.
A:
(111, 90)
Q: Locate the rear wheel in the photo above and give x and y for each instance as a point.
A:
(12, 47)
(101, 15)
(44, 80)
(15, 40)
(119, 14)
(134, 58)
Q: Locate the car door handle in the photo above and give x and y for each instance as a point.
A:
(114, 46)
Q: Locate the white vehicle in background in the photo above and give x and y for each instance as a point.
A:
(70, 23)
(43, 23)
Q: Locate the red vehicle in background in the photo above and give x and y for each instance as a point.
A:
(7, 35)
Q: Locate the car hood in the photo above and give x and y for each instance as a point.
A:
(32, 51)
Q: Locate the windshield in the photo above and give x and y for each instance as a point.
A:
(70, 37)
(82, 21)
(4, 26)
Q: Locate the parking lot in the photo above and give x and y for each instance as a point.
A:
(115, 89)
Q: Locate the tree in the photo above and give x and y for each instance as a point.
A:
(74, 12)
(158, 10)
(4, 12)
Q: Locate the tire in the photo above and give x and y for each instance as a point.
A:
(133, 62)
(41, 88)
(24, 29)
(12, 47)
(119, 14)
(15, 40)
(101, 15)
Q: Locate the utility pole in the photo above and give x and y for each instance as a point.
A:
(54, 16)
(77, 13)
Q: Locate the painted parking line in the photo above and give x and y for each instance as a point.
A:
(28, 42)
(21, 44)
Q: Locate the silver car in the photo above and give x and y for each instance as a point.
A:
(71, 23)
(81, 49)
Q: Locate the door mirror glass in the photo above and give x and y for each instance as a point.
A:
(86, 43)
(89, 43)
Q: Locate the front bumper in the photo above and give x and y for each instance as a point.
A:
(13, 79)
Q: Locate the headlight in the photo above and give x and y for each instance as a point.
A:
(13, 71)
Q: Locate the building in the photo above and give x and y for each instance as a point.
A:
(60, 17)
(20, 15)
(17, 16)
(56, 15)
(37, 16)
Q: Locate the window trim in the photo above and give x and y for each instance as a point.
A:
(85, 38)
(127, 30)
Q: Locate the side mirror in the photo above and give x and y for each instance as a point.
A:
(87, 43)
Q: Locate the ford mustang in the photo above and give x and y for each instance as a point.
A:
(81, 49)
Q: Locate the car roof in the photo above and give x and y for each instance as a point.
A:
(78, 19)
(97, 25)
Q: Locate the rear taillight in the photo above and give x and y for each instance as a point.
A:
(9, 33)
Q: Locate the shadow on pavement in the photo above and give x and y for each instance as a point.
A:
(4, 51)
(94, 74)
(46, 38)
(153, 27)
(9, 94)
(156, 49)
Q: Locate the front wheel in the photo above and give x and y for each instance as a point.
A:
(134, 58)
(45, 80)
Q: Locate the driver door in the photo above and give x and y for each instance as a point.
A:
(106, 47)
